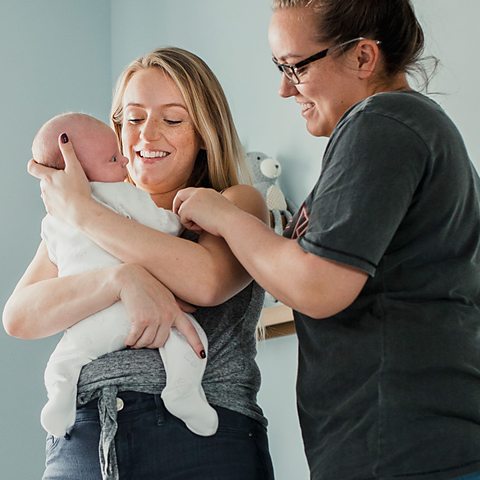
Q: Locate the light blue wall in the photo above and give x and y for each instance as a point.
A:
(232, 38)
(55, 57)
(65, 54)
(450, 31)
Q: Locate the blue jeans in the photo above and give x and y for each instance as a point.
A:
(471, 476)
(153, 444)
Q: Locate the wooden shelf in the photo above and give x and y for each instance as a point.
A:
(278, 321)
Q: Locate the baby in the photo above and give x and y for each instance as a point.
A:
(73, 252)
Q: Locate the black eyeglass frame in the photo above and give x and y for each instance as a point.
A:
(292, 69)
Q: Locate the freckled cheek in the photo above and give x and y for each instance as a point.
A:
(128, 141)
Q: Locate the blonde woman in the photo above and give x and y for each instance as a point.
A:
(175, 127)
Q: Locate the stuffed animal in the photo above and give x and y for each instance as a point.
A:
(265, 172)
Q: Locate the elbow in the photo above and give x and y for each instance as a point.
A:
(13, 324)
(209, 296)
(212, 293)
(10, 327)
(322, 308)
(318, 312)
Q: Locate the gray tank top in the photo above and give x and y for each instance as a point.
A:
(231, 378)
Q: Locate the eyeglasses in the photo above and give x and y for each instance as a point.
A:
(291, 71)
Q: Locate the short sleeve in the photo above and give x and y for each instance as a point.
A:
(371, 170)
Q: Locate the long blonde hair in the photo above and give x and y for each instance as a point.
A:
(222, 163)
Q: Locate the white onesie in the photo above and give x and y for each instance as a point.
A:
(106, 331)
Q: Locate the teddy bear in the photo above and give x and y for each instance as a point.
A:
(265, 171)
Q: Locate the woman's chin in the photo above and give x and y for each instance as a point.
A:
(318, 126)
(315, 129)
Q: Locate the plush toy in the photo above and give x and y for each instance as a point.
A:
(265, 172)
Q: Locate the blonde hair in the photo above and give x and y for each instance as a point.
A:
(222, 163)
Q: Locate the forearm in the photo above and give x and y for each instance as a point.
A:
(266, 256)
(188, 269)
(50, 306)
(309, 284)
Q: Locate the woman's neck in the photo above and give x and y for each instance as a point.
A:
(397, 84)
(164, 200)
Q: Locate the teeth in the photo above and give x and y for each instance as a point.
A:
(154, 154)
(306, 106)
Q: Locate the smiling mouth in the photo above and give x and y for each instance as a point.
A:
(151, 154)
(307, 106)
(150, 157)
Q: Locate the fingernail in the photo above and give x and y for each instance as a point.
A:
(203, 354)
(64, 138)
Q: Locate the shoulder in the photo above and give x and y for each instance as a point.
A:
(400, 118)
(249, 199)
(409, 110)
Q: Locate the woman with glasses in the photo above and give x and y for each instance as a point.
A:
(381, 263)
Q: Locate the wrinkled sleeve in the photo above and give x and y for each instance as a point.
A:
(371, 170)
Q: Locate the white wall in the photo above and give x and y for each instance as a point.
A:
(65, 54)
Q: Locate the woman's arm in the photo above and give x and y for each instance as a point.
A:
(203, 273)
(308, 283)
(43, 304)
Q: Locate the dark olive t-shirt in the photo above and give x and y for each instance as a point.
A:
(390, 387)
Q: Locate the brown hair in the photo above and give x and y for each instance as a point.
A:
(392, 22)
(221, 164)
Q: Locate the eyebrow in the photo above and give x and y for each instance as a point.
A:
(288, 55)
(167, 105)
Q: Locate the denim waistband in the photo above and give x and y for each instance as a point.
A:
(111, 399)
(108, 406)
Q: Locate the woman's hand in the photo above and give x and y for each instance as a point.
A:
(153, 310)
(202, 209)
(63, 191)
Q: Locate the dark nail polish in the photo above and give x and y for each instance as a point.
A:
(203, 354)
(64, 138)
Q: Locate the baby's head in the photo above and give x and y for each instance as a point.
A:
(95, 145)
